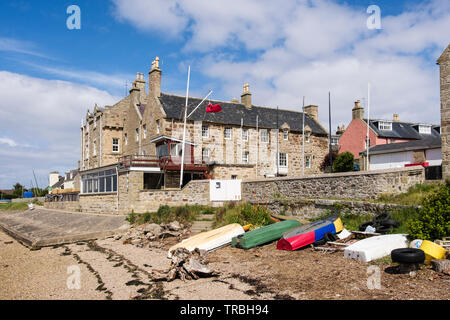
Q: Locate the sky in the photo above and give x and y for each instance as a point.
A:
(50, 74)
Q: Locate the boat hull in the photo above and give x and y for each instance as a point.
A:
(264, 234)
(375, 247)
(210, 240)
(309, 233)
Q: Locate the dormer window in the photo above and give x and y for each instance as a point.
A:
(424, 129)
(385, 125)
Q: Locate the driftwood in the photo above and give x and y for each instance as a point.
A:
(186, 266)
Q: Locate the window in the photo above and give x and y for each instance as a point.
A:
(285, 134)
(425, 129)
(99, 182)
(308, 162)
(158, 128)
(126, 139)
(264, 136)
(137, 134)
(227, 133)
(385, 125)
(244, 134)
(334, 141)
(233, 177)
(144, 127)
(245, 157)
(143, 152)
(282, 160)
(115, 145)
(307, 136)
(205, 155)
(205, 132)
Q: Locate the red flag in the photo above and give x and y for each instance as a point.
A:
(213, 108)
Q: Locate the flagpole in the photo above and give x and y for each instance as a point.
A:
(368, 124)
(303, 138)
(184, 129)
(329, 123)
(277, 156)
(257, 146)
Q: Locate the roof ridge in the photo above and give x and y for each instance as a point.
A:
(231, 102)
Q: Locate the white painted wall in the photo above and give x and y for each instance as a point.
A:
(225, 190)
(399, 159)
(434, 156)
(391, 160)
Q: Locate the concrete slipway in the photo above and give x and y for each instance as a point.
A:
(41, 227)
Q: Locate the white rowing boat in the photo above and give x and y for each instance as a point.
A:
(375, 247)
(210, 240)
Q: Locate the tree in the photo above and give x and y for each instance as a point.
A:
(18, 190)
(344, 162)
(325, 165)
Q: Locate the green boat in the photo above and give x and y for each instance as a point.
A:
(264, 234)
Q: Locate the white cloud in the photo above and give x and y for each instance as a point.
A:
(19, 46)
(41, 119)
(310, 47)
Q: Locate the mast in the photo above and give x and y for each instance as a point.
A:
(184, 129)
(329, 123)
(303, 138)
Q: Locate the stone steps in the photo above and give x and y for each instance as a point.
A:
(204, 222)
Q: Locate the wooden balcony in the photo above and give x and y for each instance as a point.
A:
(165, 163)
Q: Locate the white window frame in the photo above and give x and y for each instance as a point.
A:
(424, 129)
(137, 134)
(126, 138)
(385, 125)
(265, 135)
(245, 136)
(245, 155)
(205, 154)
(230, 130)
(116, 145)
(144, 128)
(285, 160)
(307, 136)
(286, 134)
(205, 131)
(158, 126)
(308, 161)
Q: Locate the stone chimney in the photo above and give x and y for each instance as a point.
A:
(312, 111)
(340, 130)
(154, 79)
(246, 97)
(396, 117)
(358, 111)
(53, 178)
(135, 91)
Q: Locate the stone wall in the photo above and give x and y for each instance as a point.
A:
(353, 185)
(64, 205)
(444, 62)
(313, 208)
(98, 203)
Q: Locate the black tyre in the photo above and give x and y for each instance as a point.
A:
(364, 225)
(408, 255)
(379, 219)
(383, 229)
(390, 222)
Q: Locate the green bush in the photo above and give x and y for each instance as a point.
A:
(166, 214)
(434, 219)
(343, 162)
(243, 214)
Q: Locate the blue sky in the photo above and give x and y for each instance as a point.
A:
(50, 76)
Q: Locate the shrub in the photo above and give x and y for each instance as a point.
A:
(325, 165)
(343, 162)
(434, 219)
(243, 214)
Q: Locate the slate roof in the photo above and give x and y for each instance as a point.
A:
(232, 113)
(403, 130)
(428, 143)
(59, 183)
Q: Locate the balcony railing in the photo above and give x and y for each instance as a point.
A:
(163, 162)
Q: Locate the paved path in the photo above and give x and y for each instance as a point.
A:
(42, 227)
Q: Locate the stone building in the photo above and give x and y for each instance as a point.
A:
(444, 63)
(142, 134)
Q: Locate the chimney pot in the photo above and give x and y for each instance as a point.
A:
(357, 111)
(396, 117)
(312, 111)
(246, 97)
(154, 79)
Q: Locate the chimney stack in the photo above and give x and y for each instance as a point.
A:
(396, 117)
(312, 111)
(246, 97)
(154, 79)
(358, 111)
